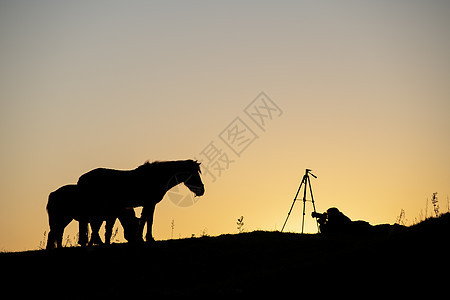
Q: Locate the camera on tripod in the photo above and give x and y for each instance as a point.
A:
(321, 218)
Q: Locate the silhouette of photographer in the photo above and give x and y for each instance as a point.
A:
(334, 222)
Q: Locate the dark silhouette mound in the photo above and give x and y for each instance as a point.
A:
(251, 264)
(334, 222)
(106, 194)
(66, 204)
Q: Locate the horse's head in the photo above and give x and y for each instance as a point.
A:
(175, 172)
(193, 181)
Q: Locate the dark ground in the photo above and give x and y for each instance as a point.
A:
(406, 262)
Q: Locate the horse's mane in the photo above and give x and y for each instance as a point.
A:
(170, 165)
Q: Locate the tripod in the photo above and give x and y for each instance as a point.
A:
(305, 182)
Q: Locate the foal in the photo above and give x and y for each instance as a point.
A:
(67, 204)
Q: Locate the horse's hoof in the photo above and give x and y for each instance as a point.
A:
(136, 242)
(150, 240)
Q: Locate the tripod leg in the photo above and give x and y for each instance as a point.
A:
(295, 198)
(285, 221)
(314, 205)
(305, 179)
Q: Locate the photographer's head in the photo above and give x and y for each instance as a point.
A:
(333, 212)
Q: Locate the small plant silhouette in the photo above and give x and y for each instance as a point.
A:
(401, 219)
(68, 242)
(434, 200)
(240, 224)
(204, 232)
(172, 225)
(43, 243)
(114, 235)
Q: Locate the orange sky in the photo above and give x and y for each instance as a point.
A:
(362, 86)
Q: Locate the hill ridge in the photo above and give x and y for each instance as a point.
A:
(253, 263)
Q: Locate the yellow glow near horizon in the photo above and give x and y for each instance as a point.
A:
(363, 87)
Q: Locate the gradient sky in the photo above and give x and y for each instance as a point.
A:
(363, 87)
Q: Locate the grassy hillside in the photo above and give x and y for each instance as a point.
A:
(256, 263)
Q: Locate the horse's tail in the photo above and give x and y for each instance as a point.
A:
(50, 203)
(52, 206)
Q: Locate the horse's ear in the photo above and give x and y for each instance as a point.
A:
(198, 166)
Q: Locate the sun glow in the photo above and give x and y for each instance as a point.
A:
(363, 91)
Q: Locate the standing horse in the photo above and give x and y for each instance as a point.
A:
(114, 190)
(67, 203)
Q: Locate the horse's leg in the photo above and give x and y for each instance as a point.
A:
(140, 230)
(52, 236)
(59, 230)
(51, 240)
(110, 221)
(82, 232)
(95, 227)
(59, 237)
(130, 224)
(141, 225)
(57, 224)
(147, 215)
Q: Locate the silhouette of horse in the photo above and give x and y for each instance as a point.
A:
(67, 204)
(114, 190)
